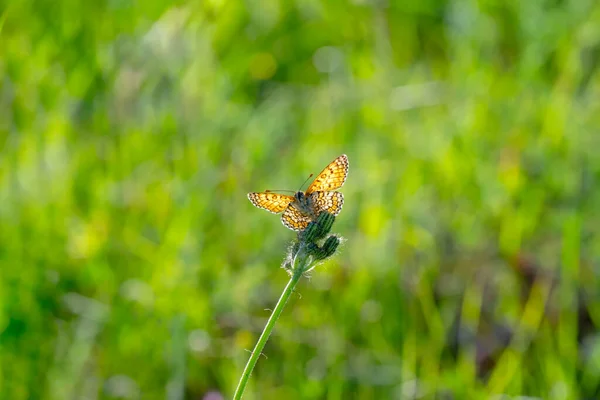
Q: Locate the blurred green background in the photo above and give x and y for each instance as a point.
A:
(133, 266)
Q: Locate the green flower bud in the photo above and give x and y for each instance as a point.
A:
(325, 251)
(318, 229)
(314, 250)
(329, 247)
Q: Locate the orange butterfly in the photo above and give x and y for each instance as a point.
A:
(303, 207)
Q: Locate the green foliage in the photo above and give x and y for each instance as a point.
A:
(133, 266)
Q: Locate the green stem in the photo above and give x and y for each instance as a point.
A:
(262, 340)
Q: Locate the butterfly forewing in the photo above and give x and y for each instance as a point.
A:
(273, 202)
(332, 177)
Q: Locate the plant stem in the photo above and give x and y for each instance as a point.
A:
(262, 340)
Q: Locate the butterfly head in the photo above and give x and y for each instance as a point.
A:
(300, 196)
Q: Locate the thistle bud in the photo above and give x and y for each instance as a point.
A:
(329, 247)
(318, 229)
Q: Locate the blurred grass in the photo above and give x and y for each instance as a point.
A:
(133, 265)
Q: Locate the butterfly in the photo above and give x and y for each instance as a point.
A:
(303, 207)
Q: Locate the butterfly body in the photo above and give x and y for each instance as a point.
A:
(305, 204)
(303, 207)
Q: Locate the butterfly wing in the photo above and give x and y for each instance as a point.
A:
(331, 202)
(293, 219)
(332, 177)
(273, 202)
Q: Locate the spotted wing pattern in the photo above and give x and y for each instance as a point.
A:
(331, 202)
(273, 202)
(332, 177)
(292, 218)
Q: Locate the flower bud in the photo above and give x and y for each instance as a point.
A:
(317, 229)
(330, 246)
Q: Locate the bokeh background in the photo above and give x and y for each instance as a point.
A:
(132, 265)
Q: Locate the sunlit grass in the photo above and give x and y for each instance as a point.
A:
(130, 137)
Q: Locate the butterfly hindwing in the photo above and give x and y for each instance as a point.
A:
(293, 219)
(331, 202)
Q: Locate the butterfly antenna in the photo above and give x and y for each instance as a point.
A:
(278, 190)
(291, 191)
(310, 176)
